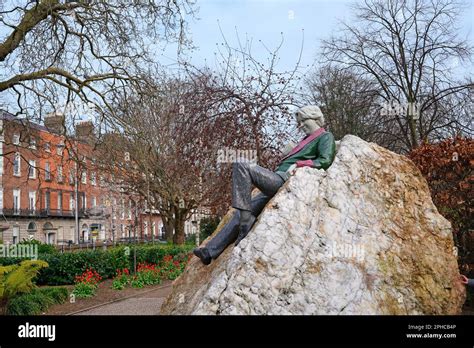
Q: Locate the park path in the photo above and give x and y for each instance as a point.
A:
(145, 303)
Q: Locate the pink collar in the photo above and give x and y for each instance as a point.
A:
(304, 142)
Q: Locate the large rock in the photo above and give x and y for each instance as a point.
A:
(361, 238)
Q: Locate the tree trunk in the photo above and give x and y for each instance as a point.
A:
(179, 236)
(168, 225)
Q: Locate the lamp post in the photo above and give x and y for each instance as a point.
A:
(76, 202)
(196, 226)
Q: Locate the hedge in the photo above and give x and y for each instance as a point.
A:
(64, 267)
(37, 301)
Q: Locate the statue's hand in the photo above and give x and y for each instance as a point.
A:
(292, 169)
(287, 148)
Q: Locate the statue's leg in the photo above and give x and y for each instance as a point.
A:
(230, 231)
(244, 176)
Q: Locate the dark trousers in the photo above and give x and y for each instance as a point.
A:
(244, 176)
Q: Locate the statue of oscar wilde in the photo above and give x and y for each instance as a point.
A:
(316, 150)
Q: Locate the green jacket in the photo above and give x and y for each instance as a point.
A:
(321, 151)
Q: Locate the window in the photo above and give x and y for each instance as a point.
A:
(60, 149)
(47, 200)
(94, 202)
(122, 230)
(127, 156)
(47, 171)
(16, 234)
(84, 177)
(101, 180)
(145, 228)
(129, 210)
(122, 208)
(31, 169)
(32, 201)
(16, 201)
(1, 200)
(60, 174)
(47, 147)
(60, 201)
(71, 177)
(93, 179)
(16, 139)
(16, 164)
(33, 143)
(153, 228)
(114, 206)
(84, 201)
(71, 201)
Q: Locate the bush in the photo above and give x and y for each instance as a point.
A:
(447, 167)
(64, 267)
(18, 279)
(37, 301)
(43, 248)
(58, 294)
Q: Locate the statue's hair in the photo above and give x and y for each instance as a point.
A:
(311, 112)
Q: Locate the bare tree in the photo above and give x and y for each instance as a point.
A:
(174, 129)
(256, 93)
(172, 141)
(62, 52)
(407, 47)
(346, 100)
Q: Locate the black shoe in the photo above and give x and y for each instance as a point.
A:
(244, 230)
(203, 254)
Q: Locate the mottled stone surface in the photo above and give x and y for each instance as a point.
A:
(361, 238)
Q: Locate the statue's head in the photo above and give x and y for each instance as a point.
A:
(309, 118)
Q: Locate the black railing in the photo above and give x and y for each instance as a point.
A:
(41, 212)
(66, 245)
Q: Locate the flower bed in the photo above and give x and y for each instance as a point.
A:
(64, 267)
(86, 284)
(150, 273)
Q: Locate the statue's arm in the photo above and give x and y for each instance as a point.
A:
(326, 153)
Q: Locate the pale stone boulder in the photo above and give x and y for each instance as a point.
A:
(362, 237)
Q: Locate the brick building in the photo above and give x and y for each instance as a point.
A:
(42, 175)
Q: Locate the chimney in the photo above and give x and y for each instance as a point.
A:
(55, 123)
(85, 131)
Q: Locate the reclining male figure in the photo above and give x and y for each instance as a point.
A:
(316, 150)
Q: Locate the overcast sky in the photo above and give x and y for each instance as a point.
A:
(266, 19)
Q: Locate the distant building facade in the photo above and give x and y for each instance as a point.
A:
(44, 174)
